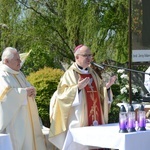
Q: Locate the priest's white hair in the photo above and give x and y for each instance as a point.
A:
(8, 53)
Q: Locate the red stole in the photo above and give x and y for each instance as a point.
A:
(93, 102)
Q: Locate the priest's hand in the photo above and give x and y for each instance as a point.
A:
(111, 82)
(83, 82)
(31, 92)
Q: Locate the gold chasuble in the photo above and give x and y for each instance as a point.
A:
(71, 108)
(93, 102)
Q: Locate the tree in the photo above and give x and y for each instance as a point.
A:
(9, 20)
(52, 28)
(59, 26)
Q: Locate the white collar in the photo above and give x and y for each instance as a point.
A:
(8, 69)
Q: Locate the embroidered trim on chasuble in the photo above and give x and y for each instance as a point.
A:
(29, 108)
(4, 93)
(93, 102)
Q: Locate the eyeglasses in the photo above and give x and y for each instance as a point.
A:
(86, 55)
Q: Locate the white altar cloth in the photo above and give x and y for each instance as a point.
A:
(108, 136)
(5, 142)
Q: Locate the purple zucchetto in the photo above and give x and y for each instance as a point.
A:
(76, 48)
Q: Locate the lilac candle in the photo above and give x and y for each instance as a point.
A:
(123, 124)
(141, 119)
(131, 123)
(142, 122)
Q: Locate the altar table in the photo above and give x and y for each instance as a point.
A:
(5, 142)
(108, 136)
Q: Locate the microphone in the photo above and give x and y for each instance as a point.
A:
(99, 66)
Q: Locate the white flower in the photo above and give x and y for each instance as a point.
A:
(127, 86)
(120, 71)
(123, 80)
(134, 90)
(123, 90)
(124, 76)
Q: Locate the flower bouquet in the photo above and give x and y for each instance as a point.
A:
(123, 81)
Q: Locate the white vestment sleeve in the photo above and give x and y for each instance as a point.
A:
(110, 96)
(73, 122)
(10, 105)
(77, 99)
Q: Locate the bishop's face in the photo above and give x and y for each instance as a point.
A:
(84, 57)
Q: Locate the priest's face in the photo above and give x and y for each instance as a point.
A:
(14, 63)
(84, 57)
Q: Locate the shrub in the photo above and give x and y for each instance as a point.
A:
(45, 81)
